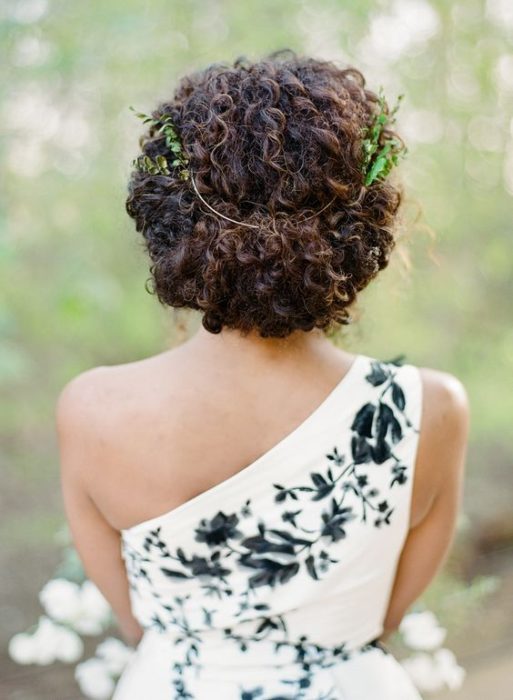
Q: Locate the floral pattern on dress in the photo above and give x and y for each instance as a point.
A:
(342, 493)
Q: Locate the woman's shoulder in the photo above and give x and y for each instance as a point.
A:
(442, 439)
(444, 402)
(96, 398)
(445, 406)
(107, 377)
(444, 391)
(88, 393)
(82, 397)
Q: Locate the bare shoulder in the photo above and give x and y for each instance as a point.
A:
(443, 439)
(93, 404)
(445, 398)
(82, 411)
(94, 390)
(81, 392)
(446, 384)
(84, 398)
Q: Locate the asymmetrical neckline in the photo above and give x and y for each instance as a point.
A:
(260, 583)
(288, 439)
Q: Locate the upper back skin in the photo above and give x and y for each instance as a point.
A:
(150, 429)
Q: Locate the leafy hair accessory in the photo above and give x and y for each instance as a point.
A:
(378, 160)
(160, 165)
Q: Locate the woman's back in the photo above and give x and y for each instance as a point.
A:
(172, 426)
(274, 578)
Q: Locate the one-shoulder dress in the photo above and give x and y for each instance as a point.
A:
(274, 584)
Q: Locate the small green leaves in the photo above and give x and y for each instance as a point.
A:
(378, 160)
(146, 165)
(164, 125)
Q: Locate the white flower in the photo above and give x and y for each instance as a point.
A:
(61, 599)
(54, 642)
(115, 654)
(94, 679)
(50, 642)
(70, 647)
(82, 607)
(423, 672)
(448, 667)
(432, 673)
(422, 631)
(46, 641)
(88, 626)
(96, 676)
(21, 648)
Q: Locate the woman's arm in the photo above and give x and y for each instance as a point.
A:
(441, 453)
(98, 544)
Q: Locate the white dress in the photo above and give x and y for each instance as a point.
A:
(274, 584)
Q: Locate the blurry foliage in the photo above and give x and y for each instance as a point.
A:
(72, 268)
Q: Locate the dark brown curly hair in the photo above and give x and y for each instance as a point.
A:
(269, 143)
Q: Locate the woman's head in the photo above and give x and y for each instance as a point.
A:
(270, 143)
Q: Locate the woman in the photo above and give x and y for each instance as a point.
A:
(260, 507)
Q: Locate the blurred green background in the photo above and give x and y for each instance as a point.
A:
(73, 270)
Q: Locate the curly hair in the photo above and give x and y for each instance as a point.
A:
(269, 143)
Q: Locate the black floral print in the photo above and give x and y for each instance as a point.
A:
(218, 530)
(243, 555)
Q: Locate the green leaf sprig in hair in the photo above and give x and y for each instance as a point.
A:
(381, 155)
(160, 165)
